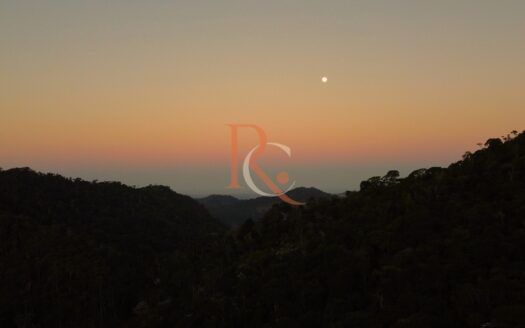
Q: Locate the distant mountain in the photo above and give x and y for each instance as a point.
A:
(233, 211)
(218, 200)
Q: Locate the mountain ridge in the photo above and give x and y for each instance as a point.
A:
(233, 211)
(443, 247)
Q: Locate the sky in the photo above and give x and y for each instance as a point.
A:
(142, 91)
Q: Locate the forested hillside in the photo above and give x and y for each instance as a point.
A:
(87, 254)
(443, 247)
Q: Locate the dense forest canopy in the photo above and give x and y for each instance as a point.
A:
(443, 247)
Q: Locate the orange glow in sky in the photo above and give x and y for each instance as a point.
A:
(89, 87)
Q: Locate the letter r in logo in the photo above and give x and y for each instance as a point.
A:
(250, 163)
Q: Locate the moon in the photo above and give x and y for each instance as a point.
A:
(324, 79)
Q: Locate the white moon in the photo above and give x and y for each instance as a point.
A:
(324, 79)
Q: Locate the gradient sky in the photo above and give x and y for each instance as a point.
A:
(141, 91)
